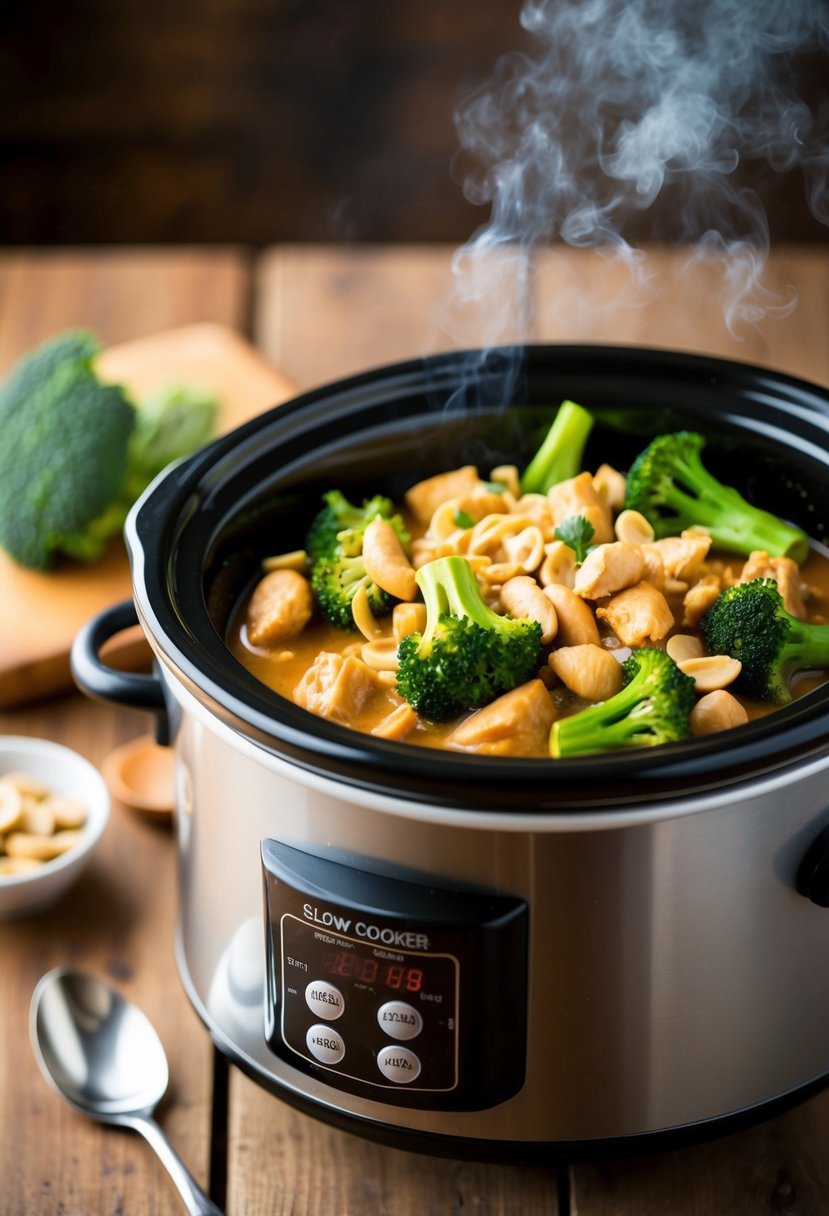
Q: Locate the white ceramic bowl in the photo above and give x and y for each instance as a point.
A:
(63, 772)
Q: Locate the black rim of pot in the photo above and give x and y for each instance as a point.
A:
(175, 524)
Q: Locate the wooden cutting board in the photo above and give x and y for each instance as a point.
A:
(41, 613)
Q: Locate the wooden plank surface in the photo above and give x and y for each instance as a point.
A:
(119, 919)
(283, 1163)
(35, 640)
(376, 305)
(120, 295)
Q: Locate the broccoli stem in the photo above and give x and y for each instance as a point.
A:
(450, 587)
(559, 456)
(806, 646)
(601, 728)
(732, 522)
(653, 706)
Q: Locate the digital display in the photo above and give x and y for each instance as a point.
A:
(351, 965)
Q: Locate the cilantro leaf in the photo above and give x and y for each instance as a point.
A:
(577, 532)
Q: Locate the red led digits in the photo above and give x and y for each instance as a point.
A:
(414, 979)
(350, 964)
(368, 970)
(340, 962)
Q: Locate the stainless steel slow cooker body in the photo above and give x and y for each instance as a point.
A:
(667, 964)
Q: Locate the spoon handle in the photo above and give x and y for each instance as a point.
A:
(195, 1200)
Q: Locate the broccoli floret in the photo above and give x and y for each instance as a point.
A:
(335, 546)
(338, 576)
(339, 515)
(75, 453)
(169, 424)
(468, 654)
(749, 622)
(653, 706)
(63, 452)
(671, 487)
(559, 456)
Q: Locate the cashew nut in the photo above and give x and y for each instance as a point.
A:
(576, 623)
(386, 562)
(717, 710)
(711, 672)
(406, 619)
(522, 597)
(632, 528)
(589, 671)
(684, 646)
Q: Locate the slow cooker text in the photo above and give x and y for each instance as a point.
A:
(403, 938)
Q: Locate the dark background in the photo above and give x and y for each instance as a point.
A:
(257, 120)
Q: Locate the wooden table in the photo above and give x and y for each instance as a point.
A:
(319, 313)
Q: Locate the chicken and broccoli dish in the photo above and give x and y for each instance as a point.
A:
(551, 613)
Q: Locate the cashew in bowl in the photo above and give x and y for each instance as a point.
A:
(37, 825)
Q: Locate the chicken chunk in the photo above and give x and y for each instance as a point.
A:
(516, 724)
(578, 496)
(682, 556)
(609, 568)
(654, 571)
(424, 498)
(638, 615)
(398, 724)
(699, 598)
(280, 607)
(336, 687)
(785, 573)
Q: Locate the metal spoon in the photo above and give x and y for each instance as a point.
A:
(103, 1056)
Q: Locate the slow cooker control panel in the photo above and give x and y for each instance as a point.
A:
(395, 990)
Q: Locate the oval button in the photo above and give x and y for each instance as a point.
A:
(398, 1064)
(399, 1020)
(324, 1000)
(325, 1044)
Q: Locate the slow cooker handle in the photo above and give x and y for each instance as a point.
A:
(129, 689)
(813, 873)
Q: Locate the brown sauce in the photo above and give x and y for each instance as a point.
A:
(282, 668)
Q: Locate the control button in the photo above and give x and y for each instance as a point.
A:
(326, 1044)
(324, 1000)
(398, 1064)
(399, 1020)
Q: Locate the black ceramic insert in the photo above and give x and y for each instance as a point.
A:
(197, 539)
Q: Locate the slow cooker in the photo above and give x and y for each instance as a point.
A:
(477, 955)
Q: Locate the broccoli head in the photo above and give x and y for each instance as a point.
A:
(468, 654)
(335, 548)
(63, 452)
(75, 453)
(559, 456)
(670, 486)
(337, 577)
(749, 622)
(339, 515)
(654, 706)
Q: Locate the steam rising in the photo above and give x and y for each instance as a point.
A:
(626, 103)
